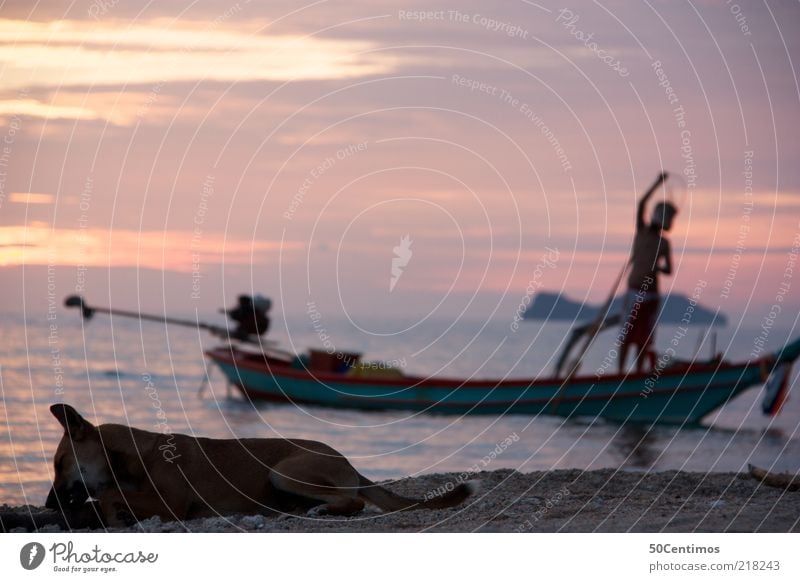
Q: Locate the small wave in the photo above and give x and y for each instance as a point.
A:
(112, 373)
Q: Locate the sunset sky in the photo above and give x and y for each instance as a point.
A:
(153, 149)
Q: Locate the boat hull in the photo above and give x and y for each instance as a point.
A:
(671, 397)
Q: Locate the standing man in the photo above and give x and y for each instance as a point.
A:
(650, 256)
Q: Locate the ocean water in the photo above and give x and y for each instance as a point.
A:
(149, 375)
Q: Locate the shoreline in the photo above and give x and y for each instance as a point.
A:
(567, 500)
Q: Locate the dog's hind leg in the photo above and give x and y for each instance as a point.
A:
(329, 480)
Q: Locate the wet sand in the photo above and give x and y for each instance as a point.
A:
(549, 501)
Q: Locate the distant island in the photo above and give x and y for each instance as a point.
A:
(557, 307)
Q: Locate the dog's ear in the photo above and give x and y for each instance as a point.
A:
(74, 424)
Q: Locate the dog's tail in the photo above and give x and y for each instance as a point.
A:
(447, 495)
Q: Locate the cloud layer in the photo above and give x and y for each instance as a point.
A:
(484, 132)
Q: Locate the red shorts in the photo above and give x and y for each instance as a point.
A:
(641, 322)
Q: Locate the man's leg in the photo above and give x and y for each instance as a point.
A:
(651, 357)
(650, 316)
(623, 356)
(640, 352)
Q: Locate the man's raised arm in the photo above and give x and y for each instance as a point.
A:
(643, 202)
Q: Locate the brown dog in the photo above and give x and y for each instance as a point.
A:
(135, 474)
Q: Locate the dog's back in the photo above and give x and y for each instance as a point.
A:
(217, 475)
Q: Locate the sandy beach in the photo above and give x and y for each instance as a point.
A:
(551, 501)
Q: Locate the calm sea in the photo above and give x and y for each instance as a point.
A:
(146, 374)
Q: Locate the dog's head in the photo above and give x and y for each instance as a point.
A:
(81, 464)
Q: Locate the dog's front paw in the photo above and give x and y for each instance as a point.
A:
(121, 516)
(318, 510)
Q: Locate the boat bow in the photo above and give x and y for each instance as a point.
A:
(788, 353)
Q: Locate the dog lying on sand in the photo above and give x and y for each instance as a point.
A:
(135, 474)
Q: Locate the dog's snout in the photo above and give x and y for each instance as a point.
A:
(67, 497)
(52, 500)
